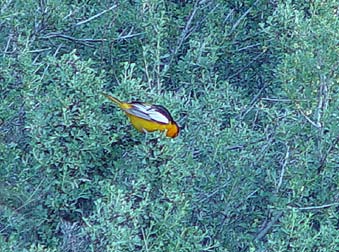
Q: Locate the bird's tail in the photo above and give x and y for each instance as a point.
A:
(113, 99)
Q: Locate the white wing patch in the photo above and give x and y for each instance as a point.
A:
(147, 112)
(157, 116)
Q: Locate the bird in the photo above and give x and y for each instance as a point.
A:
(147, 117)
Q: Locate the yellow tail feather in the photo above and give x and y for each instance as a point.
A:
(113, 99)
(122, 105)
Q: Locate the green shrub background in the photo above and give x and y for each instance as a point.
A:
(254, 86)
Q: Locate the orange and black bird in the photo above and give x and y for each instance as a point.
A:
(148, 117)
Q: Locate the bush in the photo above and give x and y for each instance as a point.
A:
(253, 85)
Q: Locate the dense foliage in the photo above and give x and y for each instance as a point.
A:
(254, 86)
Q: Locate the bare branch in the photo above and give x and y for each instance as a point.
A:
(276, 99)
(187, 31)
(8, 43)
(283, 167)
(322, 96)
(253, 102)
(268, 227)
(184, 33)
(319, 207)
(329, 150)
(64, 36)
(242, 17)
(316, 125)
(145, 239)
(96, 16)
(247, 65)
(248, 47)
(130, 34)
(228, 16)
(87, 40)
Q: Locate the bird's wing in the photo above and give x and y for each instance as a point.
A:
(148, 112)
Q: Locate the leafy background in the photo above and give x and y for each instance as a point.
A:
(254, 86)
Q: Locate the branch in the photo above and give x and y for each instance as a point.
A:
(10, 36)
(319, 207)
(253, 102)
(184, 33)
(96, 16)
(87, 40)
(269, 225)
(187, 31)
(242, 17)
(276, 99)
(247, 65)
(283, 167)
(329, 150)
(316, 125)
(281, 99)
(322, 94)
(67, 37)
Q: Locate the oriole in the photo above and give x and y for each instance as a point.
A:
(148, 117)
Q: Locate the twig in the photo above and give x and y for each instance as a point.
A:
(250, 63)
(96, 16)
(187, 31)
(86, 40)
(316, 125)
(145, 239)
(236, 147)
(242, 17)
(276, 99)
(128, 35)
(322, 96)
(60, 35)
(57, 50)
(8, 43)
(248, 47)
(252, 103)
(40, 50)
(281, 99)
(228, 16)
(184, 33)
(264, 231)
(318, 207)
(283, 167)
(324, 158)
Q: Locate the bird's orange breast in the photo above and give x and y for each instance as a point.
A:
(143, 125)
